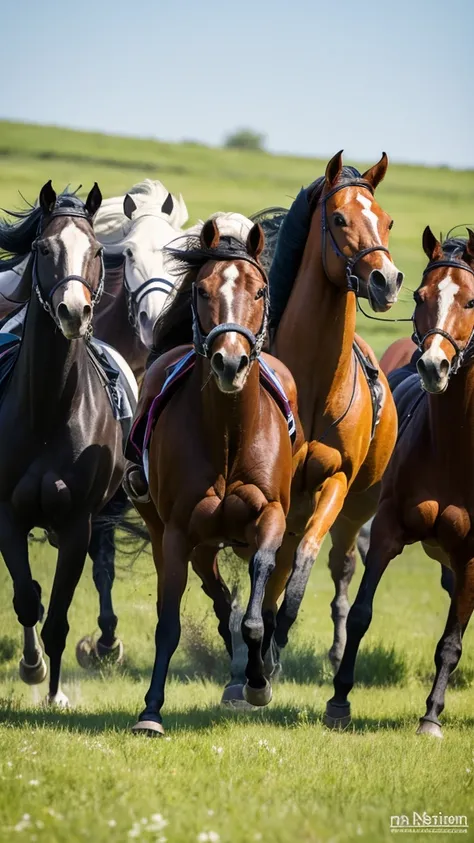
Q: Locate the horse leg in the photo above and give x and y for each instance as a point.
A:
(342, 563)
(26, 594)
(328, 504)
(270, 532)
(205, 564)
(363, 540)
(275, 588)
(449, 649)
(386, 543)
(102, 552)
(447, 580)
(73, 545)
(171, 551)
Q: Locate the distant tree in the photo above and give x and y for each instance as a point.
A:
(245, 139)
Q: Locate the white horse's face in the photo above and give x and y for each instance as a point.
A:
(147, 281)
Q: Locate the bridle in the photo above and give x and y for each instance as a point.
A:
(352, 280)
(45, 298)
(135, 297)
(460, 354)
(203, 342)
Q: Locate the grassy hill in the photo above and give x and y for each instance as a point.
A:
(225, 179)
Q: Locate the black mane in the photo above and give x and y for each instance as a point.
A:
(16, 237)
(454, 247)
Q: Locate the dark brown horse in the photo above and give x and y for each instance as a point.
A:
(220, 457)
(343, 254)
(60, 446)
(427, 492)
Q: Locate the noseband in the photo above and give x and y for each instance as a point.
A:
(46, 297)
(460, 354)
(203, 342)
(135, 297)
(352, 280)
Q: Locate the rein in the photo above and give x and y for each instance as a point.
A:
(203, 342)
(460, 354)
(352, 280)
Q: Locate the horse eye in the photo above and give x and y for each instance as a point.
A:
(339, 220)
(202, 293)
(390, 225)
(469, 305)
(260, 293)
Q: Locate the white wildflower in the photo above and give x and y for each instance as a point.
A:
(33, 782)
(210, 812)
(218, 750)
(112, 823)
(158, 822)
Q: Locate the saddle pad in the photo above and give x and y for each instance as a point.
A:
(376, 390)
(143, 426)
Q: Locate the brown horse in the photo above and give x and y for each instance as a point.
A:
(344, 255)
(397, 355)
(427, 492)
(221, 459)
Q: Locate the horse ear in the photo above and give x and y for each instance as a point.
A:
(375, 174)
(168, 205)
(94, 200)
(210, 235)
(255, 241)
(47, 198)
(432, 247)
(129, 206)
(333, 169)
(469, 251)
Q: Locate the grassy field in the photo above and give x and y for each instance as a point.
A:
(277, 775)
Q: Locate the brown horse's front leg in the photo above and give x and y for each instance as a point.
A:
(330, 501)
(270, 531)
(449, 649)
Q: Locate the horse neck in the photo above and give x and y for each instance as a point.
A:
(229, 419)
(46, 375)
(316, 332)
(451, 420)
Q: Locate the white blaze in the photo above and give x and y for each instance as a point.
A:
(369, 214)
(76, 245)
(230, 274)
(447, 292)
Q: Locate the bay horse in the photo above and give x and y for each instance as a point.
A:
(61, 454)
(220, 458)
(427, 492)
(333, 248)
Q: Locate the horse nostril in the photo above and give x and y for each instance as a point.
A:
(143, 318)
(244, 361)
(218, 362)
(399, 279)
(87, 313)
(378, 279)
(444, 367)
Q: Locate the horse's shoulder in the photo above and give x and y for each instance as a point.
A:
(284, 375)
(157, 373)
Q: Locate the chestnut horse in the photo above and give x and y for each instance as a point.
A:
(220, 459)
(61, 456)
(344, 255)
(427, 492)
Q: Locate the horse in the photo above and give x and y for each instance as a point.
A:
(133, 230)
(427, 494)
(61, 443)
(218, 450)
(332, 249)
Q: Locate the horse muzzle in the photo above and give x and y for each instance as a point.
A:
(434, 370)
(230, 370)
(74, 321)
(383, 287)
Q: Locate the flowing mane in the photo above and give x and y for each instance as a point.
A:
(16, 237)
(175, 324)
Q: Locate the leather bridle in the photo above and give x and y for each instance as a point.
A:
(352, 280)
(203, 342)
(460, 354)
(46, 297)
(135, 297)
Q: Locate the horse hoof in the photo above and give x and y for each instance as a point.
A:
(33, 674)
(427, 727)
(337, 716)
(258, 696)
(58, 700)
(111, 655)
(149, 728)
(86, 653)
(233, 698)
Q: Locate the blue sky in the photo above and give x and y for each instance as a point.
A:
(313, 76)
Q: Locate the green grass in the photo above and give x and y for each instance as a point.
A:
(281, 776)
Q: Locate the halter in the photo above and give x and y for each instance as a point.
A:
(203, 342)
(46, 298)
(460, 354)
(352, 281)
(135, 297)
